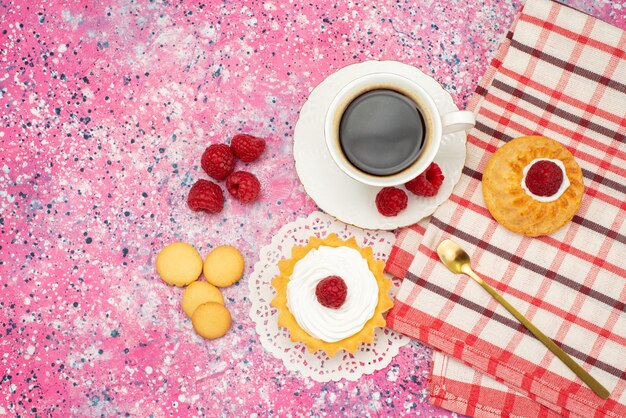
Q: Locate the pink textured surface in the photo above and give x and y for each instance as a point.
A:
(106, 109)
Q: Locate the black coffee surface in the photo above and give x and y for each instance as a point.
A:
(382, 132)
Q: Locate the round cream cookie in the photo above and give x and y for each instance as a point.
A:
(211, 320)
(179, 264)
(198, 293)
(223, 266)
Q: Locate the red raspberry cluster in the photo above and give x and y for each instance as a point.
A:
(218, 161)
(390, 201)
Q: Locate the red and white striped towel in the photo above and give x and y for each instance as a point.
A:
(561, 74)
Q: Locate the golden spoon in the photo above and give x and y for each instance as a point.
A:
(458, 261)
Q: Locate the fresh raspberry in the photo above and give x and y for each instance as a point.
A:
(427, 183)
(247, 147)
(206, 195)
(218, 161)
(390, 201)
(544, 178)
(331, 292)
(243, 186)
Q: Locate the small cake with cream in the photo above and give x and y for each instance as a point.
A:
(532, 185)
(331, 294)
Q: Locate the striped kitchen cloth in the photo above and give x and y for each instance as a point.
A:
(561, 74)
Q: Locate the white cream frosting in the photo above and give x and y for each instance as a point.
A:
(564, 184)
(329, 324)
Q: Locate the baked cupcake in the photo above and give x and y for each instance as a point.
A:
(331, 294)
(532, 185)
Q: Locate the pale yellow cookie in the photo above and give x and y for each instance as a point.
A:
(223, 266)
(179, 264)
(211, 320)
(198, 293)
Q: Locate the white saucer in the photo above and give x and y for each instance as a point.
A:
(340, 195)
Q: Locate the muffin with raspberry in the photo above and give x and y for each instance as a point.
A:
(331, 295)
(532, 185)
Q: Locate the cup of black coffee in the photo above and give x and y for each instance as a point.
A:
(384, 129)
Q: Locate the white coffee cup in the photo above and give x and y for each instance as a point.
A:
(435, 125)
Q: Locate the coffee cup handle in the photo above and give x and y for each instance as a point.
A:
(461, 120)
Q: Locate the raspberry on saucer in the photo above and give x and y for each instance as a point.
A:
(428, 183)
(391, 200)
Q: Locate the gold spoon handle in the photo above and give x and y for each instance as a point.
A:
(598, 389)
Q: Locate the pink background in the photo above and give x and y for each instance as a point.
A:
(106, 109)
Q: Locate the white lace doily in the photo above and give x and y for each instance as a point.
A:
(275, 339)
